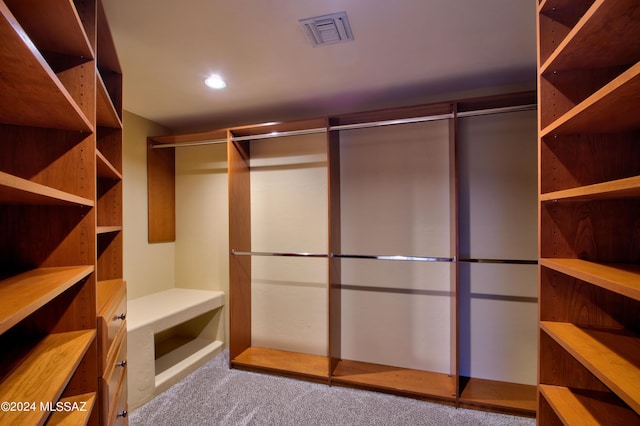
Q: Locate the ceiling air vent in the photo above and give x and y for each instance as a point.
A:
(327, 29)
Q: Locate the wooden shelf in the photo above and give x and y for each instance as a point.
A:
(106, 114)
(105, 169)
(611, 109)
(283, 362)
(587, 408)
(15, 190)
(619, 278)
(27, 80)
(25, 293)
(588, 46)
(74, 417)
(44, 373)
(416, 383)
(108, 229)
(515, 397)
(613, 356)
(64, 32)
(105, 291)
(620, 188)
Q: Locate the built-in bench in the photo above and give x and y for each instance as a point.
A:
(169, 335)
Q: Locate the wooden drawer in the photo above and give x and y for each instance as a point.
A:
(121, 414)
(113, 384)
(111, 318)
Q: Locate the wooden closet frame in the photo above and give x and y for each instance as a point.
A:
(445, 388)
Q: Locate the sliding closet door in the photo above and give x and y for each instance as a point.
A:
(395, 261)
(289, 215)
(497, 268)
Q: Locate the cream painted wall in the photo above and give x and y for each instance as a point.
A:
(202, 222)
(148, 268)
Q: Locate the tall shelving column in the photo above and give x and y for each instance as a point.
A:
(47, 215)
(111, 288)
(589, 206)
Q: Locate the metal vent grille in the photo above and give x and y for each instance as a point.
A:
(327, 29)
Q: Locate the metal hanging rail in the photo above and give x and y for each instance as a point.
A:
(394, 257)
(196, 143)
(502, 261)
(354, 126)
(283, 254)
(392, 122)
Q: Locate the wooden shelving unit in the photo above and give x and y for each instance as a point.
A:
(53, 157)
(589, 202)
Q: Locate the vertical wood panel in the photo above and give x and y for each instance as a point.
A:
(335, 277)
(240, 240)
(161, 166)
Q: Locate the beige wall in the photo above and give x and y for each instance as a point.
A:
(148, 267)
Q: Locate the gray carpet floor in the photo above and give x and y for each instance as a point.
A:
(217, 395)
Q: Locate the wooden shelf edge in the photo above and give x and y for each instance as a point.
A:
(15, 190)
(292, 364)
(620, 188)
(108, 229)
(587, 407)
(44, 373)
(619, 278)
(613, 356)
(76, 410)
(23, 294)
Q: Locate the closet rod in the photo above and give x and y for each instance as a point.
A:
(516, 108)
(392, 122)
(279, 134)
(504, 261)
(283, 254)
(181, 144)
(391, 257)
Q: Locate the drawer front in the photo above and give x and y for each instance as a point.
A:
(121, 416)
(113, 383)
(110, 322)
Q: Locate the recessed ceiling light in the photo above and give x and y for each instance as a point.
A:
(215, 82)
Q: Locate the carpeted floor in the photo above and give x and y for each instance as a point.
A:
(217, 395)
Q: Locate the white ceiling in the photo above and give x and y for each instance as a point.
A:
(405, 52)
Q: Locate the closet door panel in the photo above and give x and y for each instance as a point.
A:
(289, 214)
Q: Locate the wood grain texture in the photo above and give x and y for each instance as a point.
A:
(44, 373)
(283, 362)
(161, 194)
(238, 154)
(613, 357)
(84, 402)
(519, 399)
(416, 383)
(588, 407)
